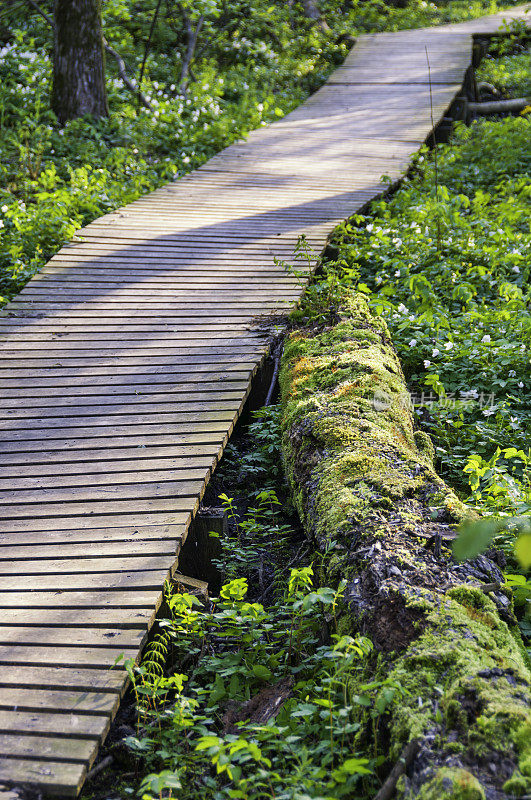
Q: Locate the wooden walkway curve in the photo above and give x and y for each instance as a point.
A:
(126, 363)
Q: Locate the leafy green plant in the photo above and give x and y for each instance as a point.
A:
(239, 648)
(259, 695)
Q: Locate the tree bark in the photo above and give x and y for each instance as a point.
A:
(512, 106)
(366, 490)
(313, 12)
(79, 65)
(128, 83)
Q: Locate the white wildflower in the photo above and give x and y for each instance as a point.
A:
(426, 363)
(435, 352)
(486, 339)
(413, 342)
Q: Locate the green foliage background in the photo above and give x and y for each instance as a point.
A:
(255, 62)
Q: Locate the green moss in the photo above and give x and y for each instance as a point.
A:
(517, 784)
(525, 761)
(361, 475)
(452, 783)
(344, 398)
(477, 671)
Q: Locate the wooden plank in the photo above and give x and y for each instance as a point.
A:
(157, 484)
(21, 550)
(144, 452)
(100, 581)
(52, 637)
(181, 481)
(95, 521)
(48, 748)
(85, 566)
(101, 472)
(102, 658)
(56, 778)
(177, 420)
(59, 678)
(97, 703)
(90, 440)
(83, 726)
(164, 410)
(140, 618)
(62, 598)
(160, 390)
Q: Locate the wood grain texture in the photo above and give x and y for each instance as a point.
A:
(126, 363)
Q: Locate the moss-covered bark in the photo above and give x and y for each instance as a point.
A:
(364, 484)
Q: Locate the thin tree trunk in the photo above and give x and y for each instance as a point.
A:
(313, 12)
(366, 490)
(192, 35)
(79, 66)
(131, 85)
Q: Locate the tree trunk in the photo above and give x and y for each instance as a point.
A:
(365, 487)
(313, 12)
(79, 66)
(512, 106)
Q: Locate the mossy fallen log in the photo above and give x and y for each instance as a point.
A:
(366, 490)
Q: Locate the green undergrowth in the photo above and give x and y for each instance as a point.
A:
(510, 75)
(254, 63)
(245, 695)
(507, 66)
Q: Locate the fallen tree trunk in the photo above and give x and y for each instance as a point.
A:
(499, 106)
(366, 490)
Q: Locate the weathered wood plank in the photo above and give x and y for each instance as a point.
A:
(76, 725)
(51, 777)
(140, 618)
(48, 748)
(59, 678)
(63, 598)
(86, 566)
(93, 581)
(102, 658)
(21, 699)
(88, 523)
(52, 637)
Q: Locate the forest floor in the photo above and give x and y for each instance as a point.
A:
(255, 693)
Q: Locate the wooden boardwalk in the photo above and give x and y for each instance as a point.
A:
(126, 363)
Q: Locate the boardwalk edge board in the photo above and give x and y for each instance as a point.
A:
(127, 362)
